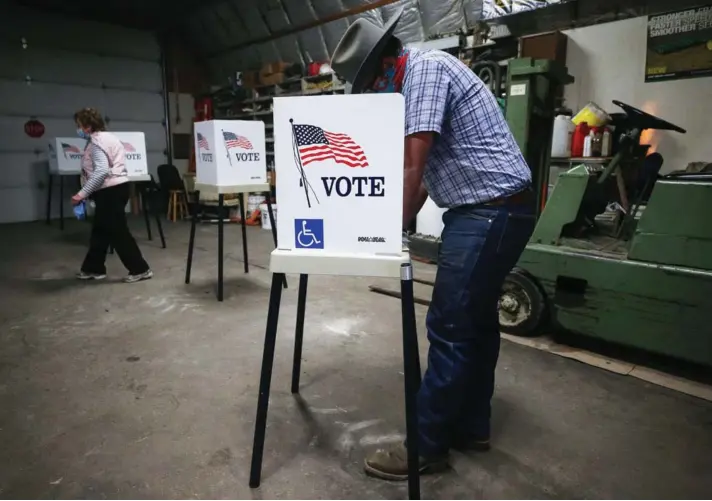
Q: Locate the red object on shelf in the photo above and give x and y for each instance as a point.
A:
(580, 134)
(34, 128)
(313, 69)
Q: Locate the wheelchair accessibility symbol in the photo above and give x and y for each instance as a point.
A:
(309, 233)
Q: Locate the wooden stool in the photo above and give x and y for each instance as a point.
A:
(177, 208)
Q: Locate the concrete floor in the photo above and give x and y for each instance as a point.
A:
(148, 390)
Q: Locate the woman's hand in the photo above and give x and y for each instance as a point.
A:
(77, 199)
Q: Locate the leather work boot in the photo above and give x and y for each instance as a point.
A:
(392, 464)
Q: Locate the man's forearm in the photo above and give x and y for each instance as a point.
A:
(414, 195)
(417, 148)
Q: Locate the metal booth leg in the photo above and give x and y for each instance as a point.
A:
(243, 223)
(61, 202)
(221, 241)
(411, 369)
(144, 208)
(275, 297)
(191, 240)
(272, 222)
(299, 332)
(160, 226)
(49, 198)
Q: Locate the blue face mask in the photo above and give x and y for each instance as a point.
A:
(82, 134)
(385, 82)
(391, 77)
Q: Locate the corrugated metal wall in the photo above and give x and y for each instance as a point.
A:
(232, 22)
(68, 64)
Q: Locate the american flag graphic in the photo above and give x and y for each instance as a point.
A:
(69, 148)
(232, 140)
(316, 144)
(128, 147)
(203, 143)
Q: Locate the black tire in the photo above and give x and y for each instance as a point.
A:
(522, 305)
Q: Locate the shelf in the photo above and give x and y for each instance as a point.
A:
(320, 76)
(309, 92)
(283, 89)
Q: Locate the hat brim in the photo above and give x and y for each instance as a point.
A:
(360, 80)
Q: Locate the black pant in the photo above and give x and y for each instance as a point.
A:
(111, 228)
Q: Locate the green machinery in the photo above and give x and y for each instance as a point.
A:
(642, 278)
(532, 88)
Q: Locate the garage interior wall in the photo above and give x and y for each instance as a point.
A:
(181, 107)
(608, 62)
(67, 64)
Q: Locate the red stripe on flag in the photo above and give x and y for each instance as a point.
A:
(342, 149)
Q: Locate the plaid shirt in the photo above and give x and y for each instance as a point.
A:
(475, 158)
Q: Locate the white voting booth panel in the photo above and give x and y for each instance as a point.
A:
(339, 162)
(65, 155)
(230, 154)
(136, 159)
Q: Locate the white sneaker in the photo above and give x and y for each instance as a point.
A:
(138, 278)
(90, 276)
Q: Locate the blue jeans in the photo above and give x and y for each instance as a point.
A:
(480, 246)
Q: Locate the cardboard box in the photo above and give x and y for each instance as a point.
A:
(250, 79)
(278, 67)
(273, 79)
(270, 70)
(266, 72)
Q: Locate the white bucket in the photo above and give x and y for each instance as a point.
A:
(253, 203)
(265, 216)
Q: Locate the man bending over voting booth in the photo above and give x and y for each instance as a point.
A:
(458, 150)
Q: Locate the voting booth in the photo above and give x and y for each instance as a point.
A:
(64, 157)
(65, 154)
(134, 144)
(339, 168)
(230, 159)
(230, 153)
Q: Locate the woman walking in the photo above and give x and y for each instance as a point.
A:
(105, 181)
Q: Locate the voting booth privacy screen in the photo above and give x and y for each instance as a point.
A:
(230, 153)
(65, 154)
(339, 162)
(135, 147)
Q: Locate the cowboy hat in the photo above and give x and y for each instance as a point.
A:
(356, 56)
